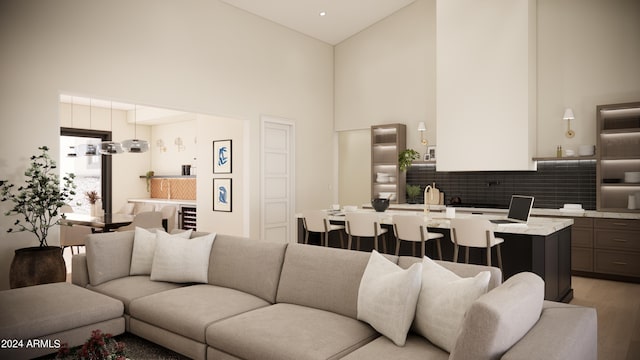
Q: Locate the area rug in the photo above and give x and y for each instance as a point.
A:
(137, 348)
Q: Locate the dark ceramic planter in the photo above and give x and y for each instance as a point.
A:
(37, 265)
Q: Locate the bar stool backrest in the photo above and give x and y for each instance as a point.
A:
(472, 232)
(363, 224)
(409, 227)
(314, 220)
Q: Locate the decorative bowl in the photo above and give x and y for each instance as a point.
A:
(380, 205)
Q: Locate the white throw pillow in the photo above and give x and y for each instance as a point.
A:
(443, 302)
(144, 247)
(387, 297)
(182, 260)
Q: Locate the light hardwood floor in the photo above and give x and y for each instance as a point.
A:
(618, 307)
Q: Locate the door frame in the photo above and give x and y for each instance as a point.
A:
(106, 162)
(265, 119)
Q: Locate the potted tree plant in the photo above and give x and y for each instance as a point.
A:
(37, 204)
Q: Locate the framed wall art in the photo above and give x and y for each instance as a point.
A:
(222, 157)
(222, 195)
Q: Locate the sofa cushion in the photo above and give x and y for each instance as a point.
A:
(129, 288)
(443, 301)
(322, 278)
(144, 247)
(35, 311)
(189, 310)
(388, 295)
(500, 318)
(108, 256)
(460, 269)
(287, 331)
(415, 348)
(578, 326)
(256, 272)
(181, 260)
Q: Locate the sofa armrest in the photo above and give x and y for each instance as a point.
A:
(566, 332)
(79, 270)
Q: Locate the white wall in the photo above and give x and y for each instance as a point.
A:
(200, 56)
(170, 161)
(210, 129)
(386, 74)
(587, 55)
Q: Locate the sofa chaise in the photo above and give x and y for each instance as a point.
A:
(262, 300)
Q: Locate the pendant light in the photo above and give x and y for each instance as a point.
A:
(135, 145)
(86, 149)
(111, 147)
(72, 149)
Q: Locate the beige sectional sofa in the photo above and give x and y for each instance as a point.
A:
(266, 300)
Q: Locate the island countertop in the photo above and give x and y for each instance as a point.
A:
(534, 211)
(541, 226)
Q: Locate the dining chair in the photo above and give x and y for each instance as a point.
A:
(169, 213)
(127, 209)
(318, 221)
(140, 208)
(475, 232)
(412, 228)
(72, 235)
(147, 220)
(365, 224)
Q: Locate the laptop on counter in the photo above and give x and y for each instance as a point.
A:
(519, 210)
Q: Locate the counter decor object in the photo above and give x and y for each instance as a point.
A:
(586, 150)
(412, 192)
(632, 202)
(431, 195)
(380, 205)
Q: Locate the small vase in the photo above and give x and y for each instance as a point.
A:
(94, 209)
(37, 265)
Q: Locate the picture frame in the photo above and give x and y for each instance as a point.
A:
(222, 194)
(222, 156)
(431, 152)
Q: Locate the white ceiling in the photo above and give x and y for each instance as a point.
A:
(343, 19)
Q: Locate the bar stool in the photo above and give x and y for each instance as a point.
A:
(474, 232)
(364, 224)
(318, 221)
(412, 228)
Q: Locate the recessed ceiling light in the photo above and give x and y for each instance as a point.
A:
(323, 13)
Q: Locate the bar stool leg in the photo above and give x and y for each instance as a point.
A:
(455, 253)
(466, 254)
(398, 246)
(439, 249)
(499, 257)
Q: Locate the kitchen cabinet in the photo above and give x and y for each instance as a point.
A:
(582, 244)
(618, 152)
(387, 181)
(617, 247)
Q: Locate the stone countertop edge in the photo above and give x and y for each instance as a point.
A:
(165, 201)
(534, 211)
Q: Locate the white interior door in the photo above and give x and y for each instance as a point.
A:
(277, 180)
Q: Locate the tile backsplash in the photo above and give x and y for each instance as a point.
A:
(554, 184)
(181, 188)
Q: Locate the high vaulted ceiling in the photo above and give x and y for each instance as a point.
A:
(343, 18)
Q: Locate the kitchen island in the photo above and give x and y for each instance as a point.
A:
(543, 246)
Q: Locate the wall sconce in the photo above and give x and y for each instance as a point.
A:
(179, 143)
(421, 129)
(160, 145)
(568, 115)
